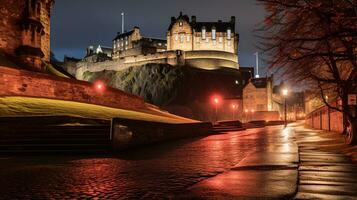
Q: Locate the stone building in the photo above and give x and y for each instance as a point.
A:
(257, 95)
(187, 35)
(25, 31)
(132, 43)
(208, 45)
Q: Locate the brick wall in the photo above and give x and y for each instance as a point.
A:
(14, 82)
(10, 32)
(45, 20)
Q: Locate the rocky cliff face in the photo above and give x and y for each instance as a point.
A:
(182, 90)
(156, 83)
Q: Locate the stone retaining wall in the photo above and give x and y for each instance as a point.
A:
(15, 82)
(127, 133)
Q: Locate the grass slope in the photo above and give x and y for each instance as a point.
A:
(26, 106)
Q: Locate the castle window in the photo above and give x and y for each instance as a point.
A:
(203, 33)
(188, 38)
(214, 42)
(229, 34)
(229, 43)
(180, 24)
(182, 37)
(213, 33)
(33, 36)
(176, 36)
(38, 9)
(220, 39)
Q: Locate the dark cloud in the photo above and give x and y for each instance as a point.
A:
(77, 24)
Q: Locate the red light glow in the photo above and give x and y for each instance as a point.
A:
(216, 99)
(99, 86)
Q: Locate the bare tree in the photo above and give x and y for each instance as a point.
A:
(314, 42)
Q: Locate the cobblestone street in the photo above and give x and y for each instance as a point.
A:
(152, 172)
(207, 167)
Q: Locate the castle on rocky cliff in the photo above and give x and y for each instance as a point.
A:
(25, 32)
(206, 45)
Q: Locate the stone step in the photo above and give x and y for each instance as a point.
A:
(53, 147)
(85, 140)
(315, 196)
(350, 190)
(329, 168)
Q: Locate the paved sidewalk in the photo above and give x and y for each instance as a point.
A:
(324, 172)
(268, 173)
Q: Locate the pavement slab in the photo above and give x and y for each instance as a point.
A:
(330, 168)
(248, 184)
(314, 196)
(324, 171)
(330, 189)
(268, 159)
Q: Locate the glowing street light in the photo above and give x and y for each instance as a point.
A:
(216, 101)
(285, 94)
(234, 107)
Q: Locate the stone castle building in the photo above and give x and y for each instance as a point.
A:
(205, 45)
(132, 43)
(25, 31)
(187, 35)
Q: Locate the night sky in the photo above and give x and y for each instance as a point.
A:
(77, 24)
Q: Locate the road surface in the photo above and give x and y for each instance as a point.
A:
(152, 172)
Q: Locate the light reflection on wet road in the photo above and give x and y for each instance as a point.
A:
(152, 172)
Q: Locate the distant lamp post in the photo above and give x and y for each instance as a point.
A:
(246, 114)
(328, 114)
(285, 94)
(216, 101)
(234, 107)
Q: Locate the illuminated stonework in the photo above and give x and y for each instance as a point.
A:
(25, 30)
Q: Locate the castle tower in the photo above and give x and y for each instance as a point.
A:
(25, 31)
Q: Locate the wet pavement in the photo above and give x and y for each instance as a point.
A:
(268, 163)
(156, 172)
(324, 171)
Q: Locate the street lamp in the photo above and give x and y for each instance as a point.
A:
(285, 94)
(328, 114)
(216, 101)
(234, 107)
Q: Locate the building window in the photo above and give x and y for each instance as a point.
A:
(229, 34)
(38, 9)
(33, 37)
(182, 37)
(188, 38)
(180, 24)
(214, 42)
(229, 43)
(220, 39)
(203, 33)
(213, 33)
(176, 36)
(159, 44)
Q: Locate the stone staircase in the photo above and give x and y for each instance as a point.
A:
(94, 138)
(227, 126)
